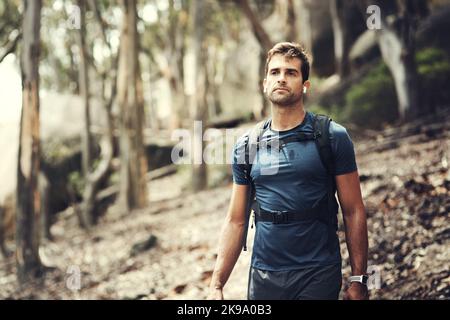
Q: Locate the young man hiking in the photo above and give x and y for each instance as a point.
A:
(296, 252)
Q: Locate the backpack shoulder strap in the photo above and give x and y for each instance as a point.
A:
(322, 134)
(251, 144)
(250, 149)
(322, 138)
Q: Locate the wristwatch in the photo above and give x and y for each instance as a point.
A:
(361, 279)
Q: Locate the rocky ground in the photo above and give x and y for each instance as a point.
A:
(167, 251)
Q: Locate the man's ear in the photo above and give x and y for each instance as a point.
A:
(264, 85)
(306, 86)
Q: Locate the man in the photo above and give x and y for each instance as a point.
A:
(298, 259)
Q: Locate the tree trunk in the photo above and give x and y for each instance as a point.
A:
(199, 170)
(86, 138)
(266, 44)
(175, 55)
(341, 37)
(400, 61)
(44, 190)
(213, 98)
(305, 32)
(396, 40)
(28, 205)
(264, 109)
(3, 249)
(291, 25)
(94, 178)
(133, 189)
(97, 177)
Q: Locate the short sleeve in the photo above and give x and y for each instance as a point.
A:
(343, 149)
(238, 163)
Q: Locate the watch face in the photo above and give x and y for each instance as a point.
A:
(364, 279)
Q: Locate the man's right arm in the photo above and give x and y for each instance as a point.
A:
(230, 242)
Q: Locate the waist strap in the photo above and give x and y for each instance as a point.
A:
(278, 217)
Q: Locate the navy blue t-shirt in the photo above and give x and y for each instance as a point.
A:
(293, 179)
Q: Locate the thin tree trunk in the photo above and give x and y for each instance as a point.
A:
(44, 190)
(95, 178)
(291, 25)
(304, 23)
(264, 109)
(108, 99)
(213, 97)
(86, 138)
(396, 40)
(133, 189)
(266, 44)
(3, 249)
(175, 43)
(28, 201)
(341, 37)
(199, 170)
(400, 62)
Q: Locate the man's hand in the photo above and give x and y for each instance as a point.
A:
(356, 291)
(215, 294)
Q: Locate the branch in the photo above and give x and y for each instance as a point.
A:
(258, 30)
(11, 47)
(103, 25)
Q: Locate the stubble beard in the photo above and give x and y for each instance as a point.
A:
(285, 100)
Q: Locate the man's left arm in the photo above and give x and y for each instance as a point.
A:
(355, 223)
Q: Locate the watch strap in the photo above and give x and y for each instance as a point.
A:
(361, 279)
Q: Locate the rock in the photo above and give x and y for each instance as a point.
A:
(179, 289)
(143, 246)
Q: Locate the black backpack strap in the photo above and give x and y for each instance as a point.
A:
(322, 138)
(251, 148)
(251, 144)
(322, 133)
(299, 137)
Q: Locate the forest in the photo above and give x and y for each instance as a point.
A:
(119, 116)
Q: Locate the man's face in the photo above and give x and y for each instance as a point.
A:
(283, 83)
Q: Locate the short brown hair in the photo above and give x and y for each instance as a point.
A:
(290, 50)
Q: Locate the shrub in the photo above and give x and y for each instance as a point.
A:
(372, 102)
(433, 67)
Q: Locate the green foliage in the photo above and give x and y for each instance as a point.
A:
(432, 62)
(372, 102)
(433, 66)
(56, 150)
(76, 182)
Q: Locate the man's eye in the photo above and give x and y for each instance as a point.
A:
(274, 72)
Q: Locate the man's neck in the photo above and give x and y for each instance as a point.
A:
(287, 117)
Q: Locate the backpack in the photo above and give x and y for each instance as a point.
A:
(328, 213)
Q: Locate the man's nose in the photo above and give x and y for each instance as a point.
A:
(281, 78)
